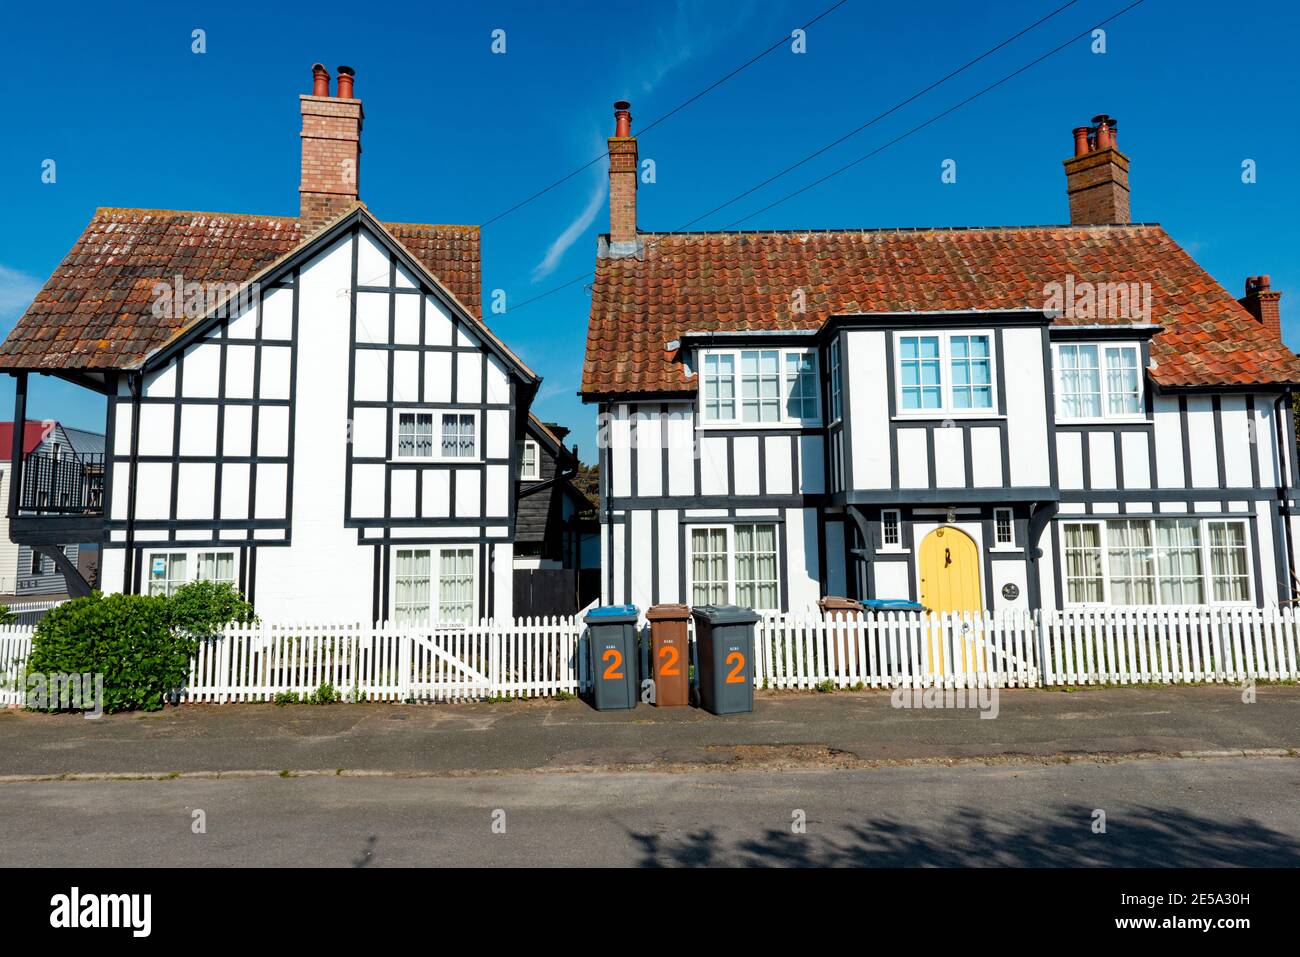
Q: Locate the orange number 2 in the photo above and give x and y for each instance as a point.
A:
(737, 660)
(668, 659)
(615, 659)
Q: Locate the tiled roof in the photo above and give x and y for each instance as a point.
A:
(747, 281)
(96, 312)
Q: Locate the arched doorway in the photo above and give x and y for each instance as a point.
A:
(949, 564)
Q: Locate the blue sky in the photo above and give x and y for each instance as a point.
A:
(455, 133)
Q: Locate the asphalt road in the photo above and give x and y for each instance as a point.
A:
(1158, 812)
(551, 735)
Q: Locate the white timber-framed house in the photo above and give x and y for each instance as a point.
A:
(1012, 417)
(309, 407)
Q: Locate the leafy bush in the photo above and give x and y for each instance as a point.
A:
(6, 616)
(202, 609)
(127, 638)
(326, 694)
(283, 698)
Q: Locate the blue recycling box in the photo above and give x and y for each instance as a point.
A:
(891, 604)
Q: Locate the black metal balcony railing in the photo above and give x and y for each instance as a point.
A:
(66, 485)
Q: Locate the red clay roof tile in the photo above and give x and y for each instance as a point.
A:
(688, 282)
(95, 311)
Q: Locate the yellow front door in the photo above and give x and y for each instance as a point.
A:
(950, 582)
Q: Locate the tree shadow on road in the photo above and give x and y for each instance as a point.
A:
(1141, 837)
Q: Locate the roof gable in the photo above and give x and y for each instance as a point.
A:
(356, 218)
(715, 282)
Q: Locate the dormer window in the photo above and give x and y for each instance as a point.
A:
(1098, 381)
(760, 386)
(945, 372)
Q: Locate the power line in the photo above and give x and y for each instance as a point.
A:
(880, 116)
(879, 149)
(935, 119)
(676, 109)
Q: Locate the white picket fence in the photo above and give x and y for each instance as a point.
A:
(15, 645)
(546, 656)
(30, 612)
(386, 662)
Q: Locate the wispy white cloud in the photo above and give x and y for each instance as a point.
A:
(575, 230)
(691, 31)
(17, 290)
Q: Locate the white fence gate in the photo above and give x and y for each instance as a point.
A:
(548, 656)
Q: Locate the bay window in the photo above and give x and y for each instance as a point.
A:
(1163, 561)
(719, 387)
(1095, 381)
(769, 386)
(945, 372)
(837, 410)
(735, 564)
(760, 386)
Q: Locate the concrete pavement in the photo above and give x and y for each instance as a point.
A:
(1159, 812)
(806, 730)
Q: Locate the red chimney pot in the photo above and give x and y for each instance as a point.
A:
(622, 119)
(320, 80)
(1081, 140)
(346, 77)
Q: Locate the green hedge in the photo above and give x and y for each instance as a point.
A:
(141, 644)
(126, 638)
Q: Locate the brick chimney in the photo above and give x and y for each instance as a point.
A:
(1264, 304)
(622, 183)
(331, 149)
(1097, 175)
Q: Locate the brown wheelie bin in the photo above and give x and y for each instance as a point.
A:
(670, 654)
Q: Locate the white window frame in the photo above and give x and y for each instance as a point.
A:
(946, 410)
(836, 375)
(1104, 392)
(784, 419)
(1203, 548)
(891, 516)
(478, 436)
(730, 529)
(191, 573)
(533, 474)
(436, 447)
(435, 596)
(435, 438)
(999, 515)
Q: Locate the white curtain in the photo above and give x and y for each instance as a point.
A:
(1228, 561)
(1178, 551)
(1083, 563)
(756, 573)
(709, 566)
(456, 585)
(412, 585)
